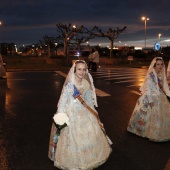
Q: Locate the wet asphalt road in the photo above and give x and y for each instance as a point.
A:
(28, 101)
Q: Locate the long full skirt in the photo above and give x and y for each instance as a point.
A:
(82, 144)
(151, 122)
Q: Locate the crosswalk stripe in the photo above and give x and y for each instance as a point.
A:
(124, 81)
(118, 78)
(111, 76)
(116, 72)
(101, 93)
(136, 92)
(61, 73)
(129, 77)
(119, 74)
(133, 85)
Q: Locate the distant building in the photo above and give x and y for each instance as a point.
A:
(8, 48)
(82, 51)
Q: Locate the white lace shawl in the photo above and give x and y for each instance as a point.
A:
(71, 78)
(144, 86)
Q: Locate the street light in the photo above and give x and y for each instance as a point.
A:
(145, 19)
(74, 26)
(159, 36)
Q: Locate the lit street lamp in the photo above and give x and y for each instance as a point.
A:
(159, 36)
(145, 19)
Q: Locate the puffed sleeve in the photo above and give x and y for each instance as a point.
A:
(66, 93)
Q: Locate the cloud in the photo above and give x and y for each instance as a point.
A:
(28, 21)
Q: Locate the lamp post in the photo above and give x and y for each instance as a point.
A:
(159, 37)
(145, 19)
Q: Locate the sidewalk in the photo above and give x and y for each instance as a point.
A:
(61, 67)
(39, 64)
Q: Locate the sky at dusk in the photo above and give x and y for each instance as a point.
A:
(26, 22)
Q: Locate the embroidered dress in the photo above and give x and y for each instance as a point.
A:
(152, 122)
(82, 144)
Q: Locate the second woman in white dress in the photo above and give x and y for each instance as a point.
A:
(151, 115)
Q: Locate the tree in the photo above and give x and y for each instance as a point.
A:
(66, 33)
(49, 41)
(81, 37)
(111, 34)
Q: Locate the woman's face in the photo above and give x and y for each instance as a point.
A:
(159, 65)
(80, 70)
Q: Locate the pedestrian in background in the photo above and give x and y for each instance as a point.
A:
(95, 59)
(151, 115)
(90, 60)
(82, 144)
(2, 68)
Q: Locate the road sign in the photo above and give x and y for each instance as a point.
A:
(157, 46)
(130, 58)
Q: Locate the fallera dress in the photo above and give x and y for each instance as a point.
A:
(82, 145)
(152, 122)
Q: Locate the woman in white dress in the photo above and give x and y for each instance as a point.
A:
(82, 144)
(168, 71)
(2, 69)
(151, 115)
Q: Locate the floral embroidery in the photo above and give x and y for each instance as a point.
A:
(153, 77)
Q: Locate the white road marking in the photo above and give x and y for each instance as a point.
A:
(133, 85)
(98, 91)
(101, 93)
(61, 73)
(119, 72)
(136, 92)
(128, 81)
(121, 76)
(130, 77)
